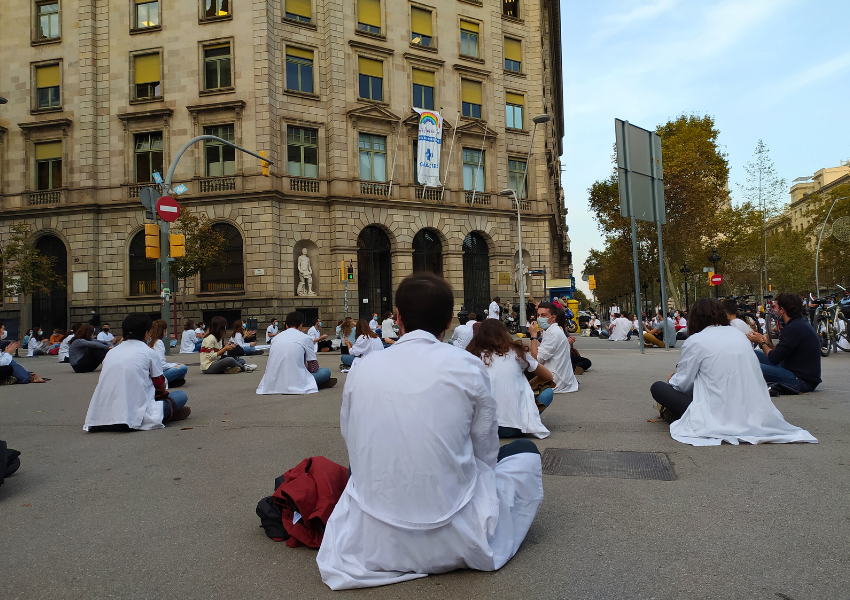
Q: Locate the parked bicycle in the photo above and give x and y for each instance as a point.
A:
(831, 325)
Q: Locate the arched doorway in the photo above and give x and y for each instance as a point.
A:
(143, 276)
(374, 266)
(50, 311)
(427, 252)
(231, 278)
(476, 273)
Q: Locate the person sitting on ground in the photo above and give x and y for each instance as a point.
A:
(367, 342)
(238, 338)
(188, 338)
(717, 393)
(430, 490)
(579, 362)
(201, 332)
(292, 367)
(462, 334)
(271, 331)
(84, 353)
(373, 324)
(39, 345)
(388, 332)
(619, 329)
(56, 338)
(554, 351)
(480, 317)
(12, 371)
(64, 353)
(506, 360)
(730, 307)
(654, 334)
(795, 360)
(345, 332)
(595, 325)
(131, 392)
(105, 335)
(175, 373)
(26, 339)
(681, 325)
(213, 351)
(321, 343)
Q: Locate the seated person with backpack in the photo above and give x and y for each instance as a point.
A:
(85, 353)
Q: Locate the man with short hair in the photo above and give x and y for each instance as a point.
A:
(430, 489)
(292, 366)
(730, 307)
(620, 328)
(271, 331)
(495, 309)
(795, 360)
(614, 311)
(463, 333)
(105, 336)
(321, 343)
(554, 352)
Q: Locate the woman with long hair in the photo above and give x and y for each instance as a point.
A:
(367, 341)
(64, 354)
(213, 350)
(188, 338)
(506, 360)
(238, 337)
(175, 373)
(84, 353)
(346, 332)
(718, 393)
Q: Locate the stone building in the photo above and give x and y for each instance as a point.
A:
(102, 94)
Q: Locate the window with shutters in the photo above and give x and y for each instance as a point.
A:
(470, 98)
(513, 108)
(48, 166)
(510, 8)
(469, 38)
(299, 70)
(146, 75)
(513, 55)
(473, 169)
(215, 9)
(299, 10)
(219, 159)
(302, 151)
(47, 87)
(145, 14)
(373, 157)
(47, 21)
(516, 177)
(371, 78)
(369, 16)
(423, 89)
(217, 67)
(421, 28)
(148, 154)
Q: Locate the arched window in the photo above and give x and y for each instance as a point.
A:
(476, 273)
(374, 265)
(427, 252)
(143, 275)
(50, 311)
(231, 277)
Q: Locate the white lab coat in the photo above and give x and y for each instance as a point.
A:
(554, 354)
(363, 346)
(313, 334)
(187, 341)
(159, 348)
(620, 332)
(286, 371)
(373, 324)
(64, 349)
(105, 337)
(125, 392)
(493, 311)
(271, 330)
(426, 494)
(731, 401)
(387, 330)
(514, 397)
(462, 335)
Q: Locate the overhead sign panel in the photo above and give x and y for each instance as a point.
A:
(641, 172)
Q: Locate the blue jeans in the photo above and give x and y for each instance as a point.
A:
(775, 374)
(20, 373)
(198, 346)
(175, 373)
(322, 375)
(347, 360)
(180, 399)
(546, 396)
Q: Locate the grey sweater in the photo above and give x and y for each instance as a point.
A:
(79, 347)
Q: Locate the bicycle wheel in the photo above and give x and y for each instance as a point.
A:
(824, 337)
(842, 334)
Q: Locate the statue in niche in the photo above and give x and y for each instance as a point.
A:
(305, 273)
(526, 276)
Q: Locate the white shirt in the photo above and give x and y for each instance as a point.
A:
(270, 331)
(621, 330)
(63, 347)
(373, 324)
(462, 335)
(187, 341)
(286, 371)
(387, 329)
(363, 346)
(313, 334)
(105, 336)
(612, 311)
(554, 354)
(5, 359)
(493, 311)
(159, 348)
(597, 323)
(426, 494)
(125, 392)
(731, 401)
(740, 326)
(514, 397)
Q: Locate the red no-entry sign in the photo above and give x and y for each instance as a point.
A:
(168, 209)
(716, 279)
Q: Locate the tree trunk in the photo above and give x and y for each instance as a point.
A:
(672, 291)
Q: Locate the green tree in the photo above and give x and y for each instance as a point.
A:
(833, 266)
(583, 301)
(205, 248)
(26, 270)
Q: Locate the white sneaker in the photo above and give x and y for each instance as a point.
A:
(344, 370)
(250, 368)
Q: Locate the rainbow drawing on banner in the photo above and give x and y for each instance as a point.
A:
(434, 118)
(429, 142)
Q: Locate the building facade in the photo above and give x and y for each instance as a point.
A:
(103, 94)
(796, 215)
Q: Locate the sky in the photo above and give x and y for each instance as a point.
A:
(776, 70)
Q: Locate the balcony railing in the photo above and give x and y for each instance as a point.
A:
(374, 189)
(523, 205)
(218, 184)
(48, 197)
(134, 190)
(302, 184)
(480, 199)
(432, 194)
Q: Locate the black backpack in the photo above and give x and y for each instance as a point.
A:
(9, 461)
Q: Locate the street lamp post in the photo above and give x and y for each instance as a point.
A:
(820, 237)
(714, 259)
(645, 286)
(685, 270)
(509, 192)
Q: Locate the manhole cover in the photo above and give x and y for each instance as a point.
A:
(599, 463)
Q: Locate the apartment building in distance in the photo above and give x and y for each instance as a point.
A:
(101, 95)
(796, 213)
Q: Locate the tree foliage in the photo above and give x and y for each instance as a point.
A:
(833, 265)
(205, 246)
(25, 269)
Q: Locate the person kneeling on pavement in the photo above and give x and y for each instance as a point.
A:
(717, 393)
(430, 490)
(292, 366)
(131, 392)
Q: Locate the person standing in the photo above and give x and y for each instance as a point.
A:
(271, 331)
(554, 352)
(104, 335)
(614, 311)
(292, 366)
(495, 309)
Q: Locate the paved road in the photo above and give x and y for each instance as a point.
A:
(170, 513)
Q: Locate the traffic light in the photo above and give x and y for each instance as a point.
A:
(346, 273)
(152, 241)
(177, 245)
(710, 275)
(265, 164)
(591, 282)
(350, 272)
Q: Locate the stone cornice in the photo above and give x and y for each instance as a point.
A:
(146, 114)
(357, 45)
(45, 124)
(374, 112)
(424, 60)
(235, 105)
(467, 70)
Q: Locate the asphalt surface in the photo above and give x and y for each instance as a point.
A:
(170, 513)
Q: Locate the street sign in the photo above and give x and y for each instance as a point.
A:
(148, 197)
(585, 278)
(536, 272)
(181, 189)
(168, 209)
(157, 177)
(640, 169)
(716, 279)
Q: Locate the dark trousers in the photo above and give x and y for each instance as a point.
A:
(517, 447)
(6, 371)
(90, 360)
(325, 344)
(673, 400)
(580, 361)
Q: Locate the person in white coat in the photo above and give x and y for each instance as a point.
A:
(718, 392)
(366, 342)
(495, 308)
(462, 334)
(292, 366)
(430, 490)
(554, 351)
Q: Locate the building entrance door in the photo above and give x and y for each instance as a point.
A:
(374, 265)
(476, 273)
(50, 311)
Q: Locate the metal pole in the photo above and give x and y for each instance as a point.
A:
(395, 156)
(820, 237)
(627, 159)
(522, 322)
(478, 168)
(664, 323)
(449, 162)
(346, 296)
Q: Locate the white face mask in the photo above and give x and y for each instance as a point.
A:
(543, 323)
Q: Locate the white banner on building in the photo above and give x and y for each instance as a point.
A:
(429, 143)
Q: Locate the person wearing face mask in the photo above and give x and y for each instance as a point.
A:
(554, 352)
(104, 335)
(321, 343)
(38, 345)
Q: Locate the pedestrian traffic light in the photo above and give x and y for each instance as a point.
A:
(177, 245)
(265, 164)
(346, 272)
(152, 241)
(350, 272)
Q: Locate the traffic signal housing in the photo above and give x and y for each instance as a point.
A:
(152, 241)
(346, 273)
(591, 282)
(265, 164)
(177, 245)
